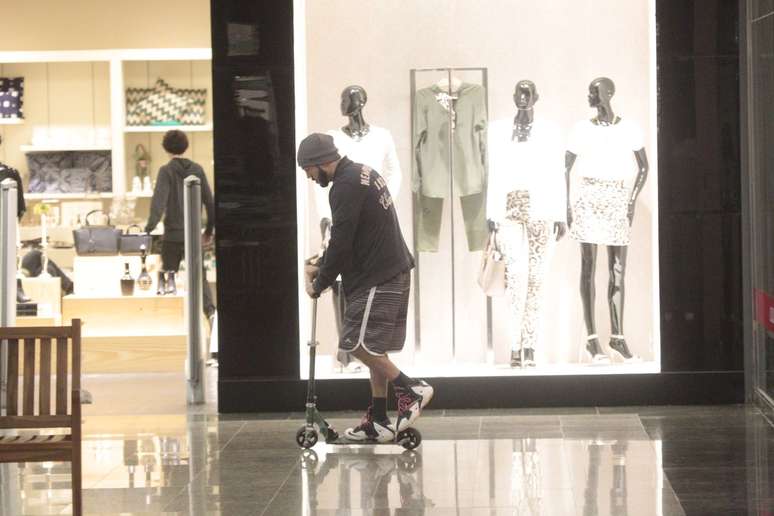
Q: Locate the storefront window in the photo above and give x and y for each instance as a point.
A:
(490, 126)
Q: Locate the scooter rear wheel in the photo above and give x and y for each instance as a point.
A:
(409, 438)
(306, 437)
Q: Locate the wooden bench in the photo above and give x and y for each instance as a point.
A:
(42, 346)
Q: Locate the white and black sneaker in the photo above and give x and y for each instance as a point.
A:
(411, 401)
(371, 431)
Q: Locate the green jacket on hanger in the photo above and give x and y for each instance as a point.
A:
(431, 137)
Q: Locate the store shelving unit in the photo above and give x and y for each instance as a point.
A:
(117, 60)
(165, 128)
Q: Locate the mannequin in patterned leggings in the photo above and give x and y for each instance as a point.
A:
(525, 206)
(603, 214)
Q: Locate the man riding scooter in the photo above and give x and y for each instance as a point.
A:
(367, 249)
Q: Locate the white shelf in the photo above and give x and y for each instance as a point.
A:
(165, 128)
(84, 196)
(11, 121)
(63, 148)
(67, 196)
(86, 56)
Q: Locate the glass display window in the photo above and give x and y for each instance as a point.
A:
(526, 129)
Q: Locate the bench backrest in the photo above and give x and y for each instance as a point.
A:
(54, 355)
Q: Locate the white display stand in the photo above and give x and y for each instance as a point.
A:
(141, 333)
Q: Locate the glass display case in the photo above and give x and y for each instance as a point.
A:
(529, 128)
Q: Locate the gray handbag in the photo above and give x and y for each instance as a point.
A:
(132, 243)
(93, 240)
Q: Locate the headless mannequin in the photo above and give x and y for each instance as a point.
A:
(353, 100)
(601, 91)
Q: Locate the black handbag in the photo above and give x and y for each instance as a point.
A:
(93, 240)
(131, 243)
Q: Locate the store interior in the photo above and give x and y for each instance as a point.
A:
(454, 329)
(86, 138)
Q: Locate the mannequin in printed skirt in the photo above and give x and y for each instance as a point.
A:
(362, 143)
(526, 210)
(603, 208)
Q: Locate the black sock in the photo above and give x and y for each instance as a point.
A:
(379, 409)
(402, 381)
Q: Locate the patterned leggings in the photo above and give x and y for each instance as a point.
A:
(524, 243)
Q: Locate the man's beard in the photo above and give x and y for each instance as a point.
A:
(322, 179)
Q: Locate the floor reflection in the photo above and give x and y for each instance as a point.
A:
(524, 476)
(590, 464)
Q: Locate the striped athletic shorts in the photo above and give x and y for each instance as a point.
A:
(376, 318)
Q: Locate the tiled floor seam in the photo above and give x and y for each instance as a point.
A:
(279, 489)
(182, 491)
(244, 423)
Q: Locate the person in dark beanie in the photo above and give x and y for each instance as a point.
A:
(367, 249)
(168, 202)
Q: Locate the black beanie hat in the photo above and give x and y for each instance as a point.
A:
(317, 149)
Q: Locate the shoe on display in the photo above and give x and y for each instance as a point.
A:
(371, 431)
(161, 287)
(618, 344)
(529, 357)
(594, 349)
(171, 287)
(21, 297)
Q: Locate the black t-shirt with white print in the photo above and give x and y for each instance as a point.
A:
(366, 245)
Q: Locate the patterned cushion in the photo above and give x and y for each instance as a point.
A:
(11, 97)
(165, 105)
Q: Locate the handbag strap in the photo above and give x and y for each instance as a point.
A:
(139, 229)
(86, 218)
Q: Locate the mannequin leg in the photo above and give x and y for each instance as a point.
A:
(588, 297)
(587, 288)
(616, 256)
(537, 235)
(511, 245)
(615, 297)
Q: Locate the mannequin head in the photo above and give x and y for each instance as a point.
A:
(601, 90)
(353, 99)
(525, 94)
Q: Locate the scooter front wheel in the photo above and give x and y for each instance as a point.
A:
(409, 438)
(306, 437)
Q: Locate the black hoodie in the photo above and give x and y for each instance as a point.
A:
(366, 245)
(168, 199)
(6, 173)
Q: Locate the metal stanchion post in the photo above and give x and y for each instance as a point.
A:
(7, 273)
(192, 201)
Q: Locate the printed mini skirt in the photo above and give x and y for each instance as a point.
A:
(600, 213)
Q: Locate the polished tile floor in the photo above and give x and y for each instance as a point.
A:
(585, 461)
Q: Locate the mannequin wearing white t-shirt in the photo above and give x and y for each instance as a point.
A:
(603, 210)
(526, 210)
(362, 143)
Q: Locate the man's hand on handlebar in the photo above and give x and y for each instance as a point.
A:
(311, 270)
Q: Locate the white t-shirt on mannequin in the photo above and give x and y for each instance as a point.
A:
(376, 149)
(535, 165)
(606, 151)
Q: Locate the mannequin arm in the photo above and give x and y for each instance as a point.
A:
(569, 161)
(642, 175)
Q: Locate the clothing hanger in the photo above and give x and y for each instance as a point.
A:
(443, 84)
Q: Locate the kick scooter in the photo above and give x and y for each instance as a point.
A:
(307, 435)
